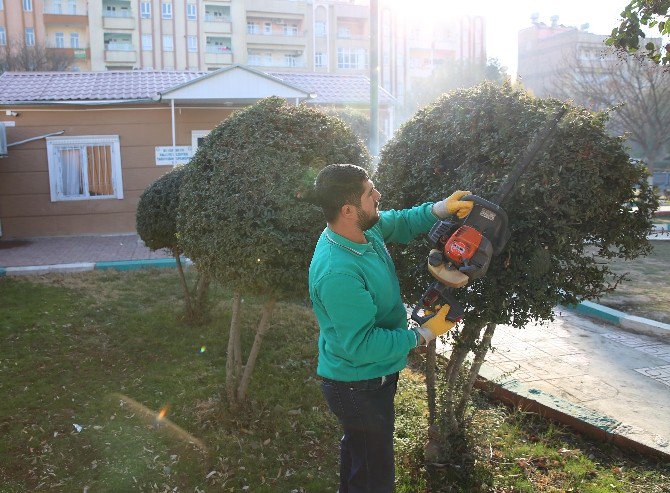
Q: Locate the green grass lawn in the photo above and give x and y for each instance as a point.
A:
(87, 360)
(646, 290)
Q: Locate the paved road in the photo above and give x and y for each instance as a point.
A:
(617, 380)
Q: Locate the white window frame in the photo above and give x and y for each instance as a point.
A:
(319, 59)
(320, 29)
(72, 7)
(145, 10)
(55, 177)
(192, 44)
(195, 135)
(147, 46)
(59, 40)
(191, 12)
(267, 28)
(74, 40)
(30, 36)
(27, 5)
(3, 36)
(2, 5)
(253, 27)
(168, 46)
(166, 10)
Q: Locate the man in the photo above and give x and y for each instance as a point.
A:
(364, 339)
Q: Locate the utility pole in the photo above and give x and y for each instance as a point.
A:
(374, 78)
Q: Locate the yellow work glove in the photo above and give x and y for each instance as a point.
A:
(453, 205)
(437, 325)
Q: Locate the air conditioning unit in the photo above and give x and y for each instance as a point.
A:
(3, 140)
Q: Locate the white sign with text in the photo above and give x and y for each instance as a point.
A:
(168, 155)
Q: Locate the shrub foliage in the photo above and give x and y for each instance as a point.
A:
(156, 219)
(574, 205)
(239, 215)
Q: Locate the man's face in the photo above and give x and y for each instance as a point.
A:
(368, 212)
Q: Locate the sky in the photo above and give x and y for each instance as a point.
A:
(504, 19)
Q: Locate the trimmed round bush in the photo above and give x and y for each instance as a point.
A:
(241, 217)
(575, 205)
(156, 219)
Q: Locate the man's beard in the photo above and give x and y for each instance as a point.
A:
(366, 221)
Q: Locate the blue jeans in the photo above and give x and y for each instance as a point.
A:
(365, 411)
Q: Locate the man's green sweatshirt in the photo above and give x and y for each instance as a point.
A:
(356, 298)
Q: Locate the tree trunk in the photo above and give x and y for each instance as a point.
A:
(456, 360)
(182, 279)
(480, 354)
(231, 378)
(237, 352)
(263, 326)
(431, 359)
(202, 292)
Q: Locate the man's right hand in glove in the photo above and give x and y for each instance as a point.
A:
(437, 325)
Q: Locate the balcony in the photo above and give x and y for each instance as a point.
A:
(217, 24)
(277, 39)
(280, 7)
(218, 55)
(123, 19)
(60, 14)
(75, 53)
(276, 64)
(120, 53)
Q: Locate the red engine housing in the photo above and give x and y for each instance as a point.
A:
(462, 245)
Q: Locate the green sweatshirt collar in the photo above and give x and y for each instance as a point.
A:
(347, 244)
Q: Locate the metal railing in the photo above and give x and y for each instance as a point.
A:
(124, 14)
(60, 10)
(217, 49)
(216, 18)
(119, 47)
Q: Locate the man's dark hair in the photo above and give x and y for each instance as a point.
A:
(337, 185)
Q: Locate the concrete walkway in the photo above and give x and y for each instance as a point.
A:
(74, 249)
(611, 379)
(589, 370)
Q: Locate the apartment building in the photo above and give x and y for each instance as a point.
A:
(321, 36)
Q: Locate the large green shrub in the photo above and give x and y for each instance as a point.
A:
(240, 216)
(239, 213)
(576, 205)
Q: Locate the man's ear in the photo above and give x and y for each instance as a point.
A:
(347, 211)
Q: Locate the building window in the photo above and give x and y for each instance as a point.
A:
(74, 40)
(344, 32)
(351, 58)
(28, 5)
(84, 168)
(253, 59)
(60, 40)
(319, 61)
(291, 30)
(145, 10)
(197, 138)
(167, 10)
(267, 28)
(168, 42)
(192, 44)
(56, 8)
(147, 42)
(30, 36)
(291, 60)
(320, 29)
(72, 7)
(267, 60)
(253, 28)
(2, 5)
(191, 11)
(3, 36)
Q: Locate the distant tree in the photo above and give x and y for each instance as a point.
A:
(634, 90)
(450, 76)
(638, 13)
(16, 56)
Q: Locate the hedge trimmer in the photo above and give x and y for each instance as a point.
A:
(462, 249)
